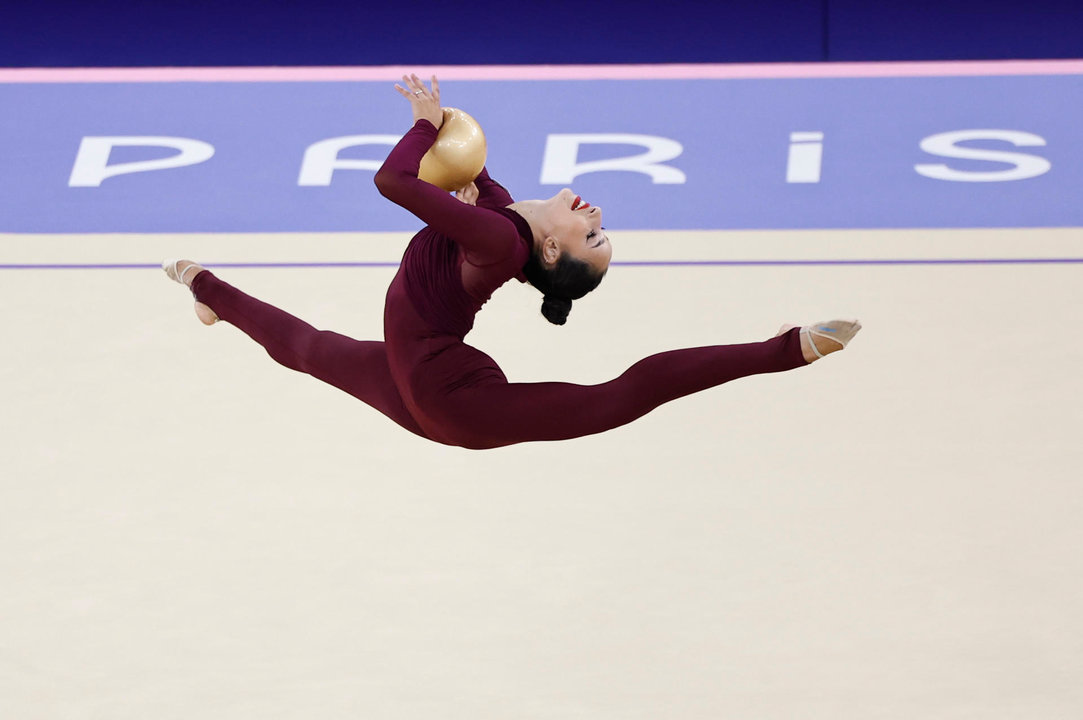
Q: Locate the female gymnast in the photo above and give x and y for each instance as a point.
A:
(424, 377)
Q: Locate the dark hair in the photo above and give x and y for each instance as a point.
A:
(569, 279)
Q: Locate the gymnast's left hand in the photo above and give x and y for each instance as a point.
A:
(424, 102)
(468, 194)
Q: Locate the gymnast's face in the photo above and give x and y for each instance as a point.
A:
(575, 227)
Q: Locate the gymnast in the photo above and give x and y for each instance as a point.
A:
(425, 377)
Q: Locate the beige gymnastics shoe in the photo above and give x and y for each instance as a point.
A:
(834, 336)
(178, 271)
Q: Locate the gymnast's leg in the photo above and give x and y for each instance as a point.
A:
(494, 414)
(357, 367)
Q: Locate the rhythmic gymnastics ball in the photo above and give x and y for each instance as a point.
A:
(458, 155)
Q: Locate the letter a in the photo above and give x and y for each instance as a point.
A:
(321, 158)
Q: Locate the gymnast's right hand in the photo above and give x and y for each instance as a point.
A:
(424, 102)
(468, 194)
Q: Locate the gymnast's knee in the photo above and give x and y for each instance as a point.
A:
(302, 353)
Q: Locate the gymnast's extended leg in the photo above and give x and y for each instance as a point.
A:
(354, 366)
(493, 414)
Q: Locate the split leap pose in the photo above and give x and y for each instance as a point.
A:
(424, 377)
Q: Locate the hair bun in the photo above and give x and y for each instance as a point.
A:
(556, 309)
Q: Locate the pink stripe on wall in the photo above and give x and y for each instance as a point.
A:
(545, 72)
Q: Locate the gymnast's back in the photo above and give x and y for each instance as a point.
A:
(465, 252)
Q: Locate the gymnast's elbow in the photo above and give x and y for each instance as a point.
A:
(387, 182)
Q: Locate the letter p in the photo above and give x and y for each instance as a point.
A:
(92, 162)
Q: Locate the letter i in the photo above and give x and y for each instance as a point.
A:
(806, 157)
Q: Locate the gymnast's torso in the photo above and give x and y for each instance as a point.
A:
(448, 271)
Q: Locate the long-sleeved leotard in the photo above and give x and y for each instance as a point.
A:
(425, 377)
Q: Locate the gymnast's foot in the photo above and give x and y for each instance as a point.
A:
(824, 338)
(183, 272)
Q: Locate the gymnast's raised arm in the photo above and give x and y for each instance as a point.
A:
(485, 236)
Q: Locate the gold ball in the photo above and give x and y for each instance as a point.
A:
(458, 154)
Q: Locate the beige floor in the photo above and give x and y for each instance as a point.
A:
(189, 531)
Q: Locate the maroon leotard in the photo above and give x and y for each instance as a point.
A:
(425, 377)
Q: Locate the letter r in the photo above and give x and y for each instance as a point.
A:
(560, 165)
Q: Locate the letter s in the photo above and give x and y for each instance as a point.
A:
(944, 145)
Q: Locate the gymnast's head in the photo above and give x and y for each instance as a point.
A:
(571, 250)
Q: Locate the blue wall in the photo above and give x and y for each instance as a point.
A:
(336, 32)
(954, 29)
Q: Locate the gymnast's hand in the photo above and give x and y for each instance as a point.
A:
(468, 194)
(425, 103)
